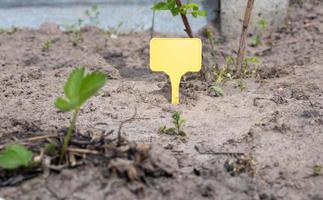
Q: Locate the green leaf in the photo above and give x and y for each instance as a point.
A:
(51, 149)
(79, 88)
(73, 84)
(218, 91)
(256, 41)
(202, 13)
(252, 60)
(175, 11)
(262, 23)
(193, 6)
(15, 156)
(170, 1)
(160, 6)
(64, 105)
(95, 7)
(171, 4)
(91, 84)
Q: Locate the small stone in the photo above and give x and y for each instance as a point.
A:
(50, 28)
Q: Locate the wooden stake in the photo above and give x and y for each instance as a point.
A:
(243, 38)
(187, 29)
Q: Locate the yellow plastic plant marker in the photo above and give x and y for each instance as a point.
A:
(175, 57)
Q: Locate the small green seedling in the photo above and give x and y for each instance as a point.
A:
(15, 156)
(317, 170)
(189, 8)
(51, 149)
(213, 45)
(8, 31)
(262, 26)
(113, 32)
(178, 123)
(256, 41)
(78, 89)
(249, 66)
(93, 15)
(225, 73)
(92, 18)
(241, 85)
(218, 91)
(75, 31)
(47, 44)
(222, 74)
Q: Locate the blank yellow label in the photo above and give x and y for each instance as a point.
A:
(175, 57)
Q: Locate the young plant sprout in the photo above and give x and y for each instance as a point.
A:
(317, 170)
(262, 26)
(47, 44)
(178, 123)
(78, 89)
(93, 15)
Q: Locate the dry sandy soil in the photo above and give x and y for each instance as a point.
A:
(276, 122)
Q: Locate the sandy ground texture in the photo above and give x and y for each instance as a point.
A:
(277, 121)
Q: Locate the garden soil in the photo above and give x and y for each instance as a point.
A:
(276, 123)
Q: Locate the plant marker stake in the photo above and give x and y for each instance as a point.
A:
(175, 57)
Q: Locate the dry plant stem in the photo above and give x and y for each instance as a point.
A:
(124, 122)
(243, 38)
(223, 153)
(68, 135)
(187, 29)
(42, 137)
(82, 151)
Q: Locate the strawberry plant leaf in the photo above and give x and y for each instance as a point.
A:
(73, 84)
(64, 105)
(91, 84)
(78, 88)
(15, 156)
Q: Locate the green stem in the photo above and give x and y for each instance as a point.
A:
(68, 135)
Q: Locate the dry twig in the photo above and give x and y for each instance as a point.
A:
(243, 38)
(82, 151)
(124, 122)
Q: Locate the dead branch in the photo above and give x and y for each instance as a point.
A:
(82, 151)
(212, 152)
(243, 38)
(42, 137)
(124, 122)
(222, 153)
